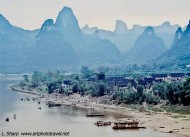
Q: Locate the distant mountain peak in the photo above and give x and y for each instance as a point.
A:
(48, 25)
(188, 26)
(166, 24)
(66, 21)
(67, 10)
(149, 30)
(1, 16)
(178, 33)
(187, 30)
(178, 55)
(135, 26)
(147, 46)
(120, 27)
(3, 20)
(86, 26)
(87, 30)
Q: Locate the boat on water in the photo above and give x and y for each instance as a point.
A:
(102, 123)
(95, 115)
(52, 104)
(132, 124)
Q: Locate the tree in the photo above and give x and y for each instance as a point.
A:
(61, 91)
(101, 89)
(51, 88)
(101, 76)
(185, 93)
(140, 94)
(93, 90)
(26, 78)
(97, 89)
(140, 90)
(86, 72)
(159, 89)
(150, 99)
(81, 89)
(77, 78)
(36, 78)
(170, 93)
(75, 87)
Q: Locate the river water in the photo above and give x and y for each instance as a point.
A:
(61, 119)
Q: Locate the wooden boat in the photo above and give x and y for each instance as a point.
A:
(94, 115)
(102, 123)
(127, 125)
(51, 104)
(54, 105)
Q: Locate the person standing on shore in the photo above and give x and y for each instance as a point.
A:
(14, 116)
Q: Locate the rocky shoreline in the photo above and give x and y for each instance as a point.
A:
(160, 121)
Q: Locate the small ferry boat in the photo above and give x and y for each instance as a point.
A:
(102, 123)
(94, 115)
(134, 124)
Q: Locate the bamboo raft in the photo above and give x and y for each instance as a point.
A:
(127, 125)
(102, 123)
(94, 115)
(51, 104)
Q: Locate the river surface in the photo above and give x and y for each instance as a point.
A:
(61, 119)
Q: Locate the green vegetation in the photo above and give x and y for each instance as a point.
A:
(26, 78)
(177, 109)
(86, 72)
(155, 109)
(130, 96)
(185, 93)
(88, 82)
(174, 93)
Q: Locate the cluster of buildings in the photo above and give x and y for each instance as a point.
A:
(146, 81)
(124, 82)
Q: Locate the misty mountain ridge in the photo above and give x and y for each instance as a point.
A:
(125, 38)
(179, 53)
(120, 27)
(148, 46)
(56, 45)
(52, 49)
(15, 46)
(63, 45)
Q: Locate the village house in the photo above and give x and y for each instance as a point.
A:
(177, 77)
(66, 84)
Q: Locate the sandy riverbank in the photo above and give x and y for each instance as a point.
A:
(12, 77)
(160, 121)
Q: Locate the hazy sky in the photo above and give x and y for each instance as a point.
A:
(30, 14)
